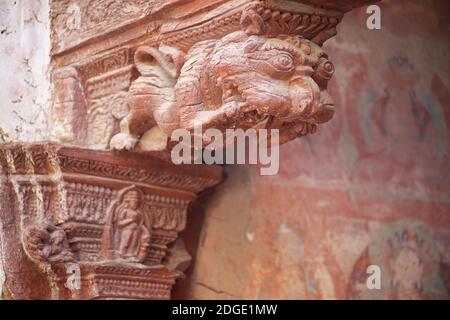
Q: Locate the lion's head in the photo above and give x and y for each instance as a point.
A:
(282, 80)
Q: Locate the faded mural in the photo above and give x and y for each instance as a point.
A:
(371, 188)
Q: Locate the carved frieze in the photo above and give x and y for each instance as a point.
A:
(77, 21)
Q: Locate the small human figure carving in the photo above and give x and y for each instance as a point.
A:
(127, 232)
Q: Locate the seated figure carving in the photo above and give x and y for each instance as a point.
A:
(127, 232)
(247, 79)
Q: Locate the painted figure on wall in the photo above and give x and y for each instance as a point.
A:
(127, 232)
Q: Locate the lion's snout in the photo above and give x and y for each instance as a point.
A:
(309, 102)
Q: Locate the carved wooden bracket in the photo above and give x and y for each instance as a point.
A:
(134, 78)
(95, 225)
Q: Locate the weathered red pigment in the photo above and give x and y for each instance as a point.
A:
(371, 188)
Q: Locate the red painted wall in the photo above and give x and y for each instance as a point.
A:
(372, 187)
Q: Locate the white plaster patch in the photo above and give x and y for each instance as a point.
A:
(24, 63)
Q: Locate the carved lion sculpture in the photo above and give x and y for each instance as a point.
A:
(47, 243)
(246, 79)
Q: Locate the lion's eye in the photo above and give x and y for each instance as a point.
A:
(326, 68)
(282, 62)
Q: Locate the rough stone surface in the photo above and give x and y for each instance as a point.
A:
(24, 63)
(371, 188)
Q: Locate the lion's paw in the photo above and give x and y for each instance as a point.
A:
(123, 141)
(230, 110)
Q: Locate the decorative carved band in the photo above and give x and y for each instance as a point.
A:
(278, 19)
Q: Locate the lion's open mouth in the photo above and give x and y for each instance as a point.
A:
(254, 118)
(250, 115)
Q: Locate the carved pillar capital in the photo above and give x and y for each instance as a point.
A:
(94, 225)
